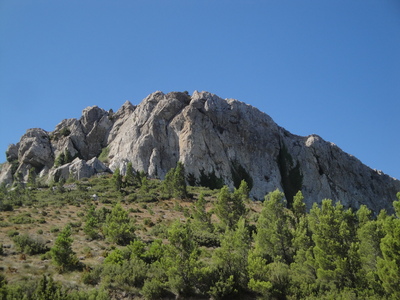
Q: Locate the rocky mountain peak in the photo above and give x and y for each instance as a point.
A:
(220, 141)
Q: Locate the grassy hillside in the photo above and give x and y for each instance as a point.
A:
(132, 238)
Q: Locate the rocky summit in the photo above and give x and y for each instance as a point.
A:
(219, 141)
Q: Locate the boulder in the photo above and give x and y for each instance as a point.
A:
(79, 169)
(12, 152)
(34, 151)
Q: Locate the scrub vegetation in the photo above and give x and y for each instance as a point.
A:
(130, 237)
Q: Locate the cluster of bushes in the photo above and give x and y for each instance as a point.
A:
(29, 245)
(46, 288)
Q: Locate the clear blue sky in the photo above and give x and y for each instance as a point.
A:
(328, 67)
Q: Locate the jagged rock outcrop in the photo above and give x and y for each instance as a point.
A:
(79, 169)
(219, 141)
(81, 140)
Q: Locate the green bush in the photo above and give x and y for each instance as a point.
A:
(24, 218)
(103, 157)
(65, 131)
(54, 229)
(29, 245)
(12, 232)
(153, 289)
(92, 277)
(6, 206)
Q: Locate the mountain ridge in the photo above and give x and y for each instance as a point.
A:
(217, 140)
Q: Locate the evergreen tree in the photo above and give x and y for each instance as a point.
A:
(182, 259)
(270, 281)
(298, 206)
(230, 262)
(369, 235)
(335, 249)
(62, 254)
(32, 177)
(179, 182)
(130, 176)
(117, 179)
(47, 289)
(389, 264)
(200, 215)
(274, 236)
(91, 227)
(119, 227)
(243, 191)
(167, 186)
(229, 208)
(60, 160)
(67, 157)
(145, 186)
(174, 183)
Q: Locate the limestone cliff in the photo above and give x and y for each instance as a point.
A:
(220, 141)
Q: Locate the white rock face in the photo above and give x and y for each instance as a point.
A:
(214, 138)
(79, 169)
(209, 134)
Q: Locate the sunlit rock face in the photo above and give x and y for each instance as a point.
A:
(218, 140)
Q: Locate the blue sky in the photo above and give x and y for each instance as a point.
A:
(328, 67)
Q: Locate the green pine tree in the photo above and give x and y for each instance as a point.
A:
(274, 235)
(229, 208)
(119, 227)
(181, 259)
(62, 254)
(389, 264)
(167, 185)
(179, 182)
(335, 250)
(200, 215)
(117, 179)
(32, 177)
(130, 176)
(230, 262)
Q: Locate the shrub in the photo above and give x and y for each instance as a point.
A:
(153, 289)
(148, 222)
(12, 232)
(103, 157)
(6, 206)
(29, 245)
(65, 131)
(24, 218)
(92, 277)
(54, 229)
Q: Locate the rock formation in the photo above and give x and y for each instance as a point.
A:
(220, 141)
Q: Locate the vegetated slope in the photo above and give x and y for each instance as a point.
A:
(219, 141)
(124, 237)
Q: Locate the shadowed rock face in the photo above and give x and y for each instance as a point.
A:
(218, 140)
